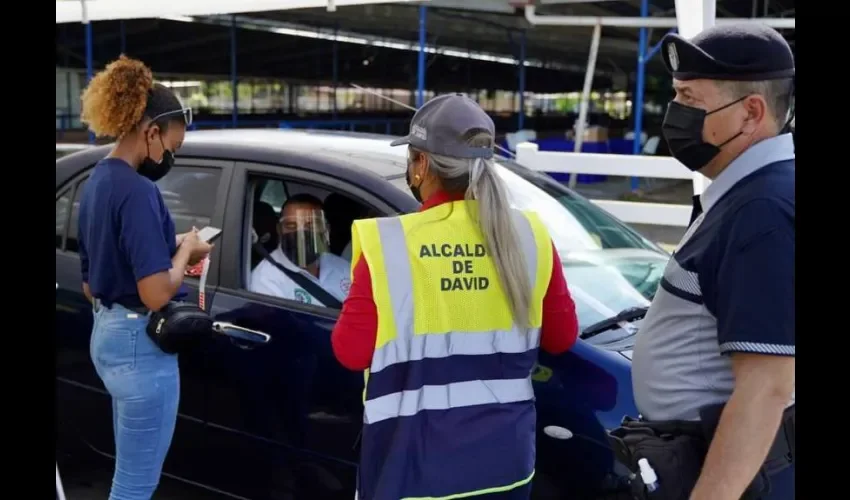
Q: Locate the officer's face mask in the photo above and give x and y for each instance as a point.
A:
(682, 129)
(156, 170)
(304, 236)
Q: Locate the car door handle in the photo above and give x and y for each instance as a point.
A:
(236, 332)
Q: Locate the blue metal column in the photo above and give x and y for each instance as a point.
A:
(637, 102)
(234, 84)
(420, 65)
(335, 70)
(123, 34)
(521, 116)
(66, 120)
(89, 63)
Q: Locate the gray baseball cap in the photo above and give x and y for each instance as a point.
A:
(444, 124)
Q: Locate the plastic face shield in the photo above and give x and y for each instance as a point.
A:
(304, 235)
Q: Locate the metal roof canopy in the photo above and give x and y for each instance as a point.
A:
(486, 26)
(75, 11)
(195, 50)
(688, 22)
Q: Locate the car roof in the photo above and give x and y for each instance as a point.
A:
(71, 146)
(332, 152)
(369, 151)
(340, 150)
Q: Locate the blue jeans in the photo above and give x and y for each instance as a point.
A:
(144, 383)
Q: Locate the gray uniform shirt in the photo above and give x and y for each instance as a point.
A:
(729, 287)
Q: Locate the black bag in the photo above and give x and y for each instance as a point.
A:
(178, 326)
(674, 449)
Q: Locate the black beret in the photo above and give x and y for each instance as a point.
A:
(738, 52)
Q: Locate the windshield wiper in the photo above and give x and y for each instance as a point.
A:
(625, 316)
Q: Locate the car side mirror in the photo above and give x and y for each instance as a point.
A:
(241, 333)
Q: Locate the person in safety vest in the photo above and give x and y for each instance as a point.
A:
(446, 312)
(302, 260)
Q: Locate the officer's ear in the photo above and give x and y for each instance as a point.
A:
(757, 112)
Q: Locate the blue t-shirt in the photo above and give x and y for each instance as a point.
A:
(125, 232)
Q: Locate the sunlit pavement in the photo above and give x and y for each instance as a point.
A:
(669, 247)
(94, 482)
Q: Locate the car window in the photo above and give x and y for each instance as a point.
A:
(611, 232)
(71, 243)
(62, 204)
(273, 193)
(190, 195)
(262, 226)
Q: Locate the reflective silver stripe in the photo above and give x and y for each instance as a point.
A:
(419, 347)
(443, 397)
(399, 275)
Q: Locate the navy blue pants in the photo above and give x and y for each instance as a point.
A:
(522, 493)
(782, 485)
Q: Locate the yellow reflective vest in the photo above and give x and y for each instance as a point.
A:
(448, 404)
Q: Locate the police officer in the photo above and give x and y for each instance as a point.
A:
(132, 262)
(446, 311)
(720, 332)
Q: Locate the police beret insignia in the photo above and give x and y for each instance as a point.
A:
(738, 52)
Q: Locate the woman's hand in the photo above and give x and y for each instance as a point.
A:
(182, 236)
(198, 249)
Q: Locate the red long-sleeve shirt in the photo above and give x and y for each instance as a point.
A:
(354, 335)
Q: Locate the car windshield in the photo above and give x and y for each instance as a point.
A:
(608, 266)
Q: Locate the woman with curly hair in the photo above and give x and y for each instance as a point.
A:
(133, 263)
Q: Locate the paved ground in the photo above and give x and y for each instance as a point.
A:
(169, 489)
(93, 484)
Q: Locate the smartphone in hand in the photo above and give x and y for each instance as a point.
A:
(209, 234)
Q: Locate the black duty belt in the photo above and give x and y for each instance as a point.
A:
(676, 450)
(134, 304)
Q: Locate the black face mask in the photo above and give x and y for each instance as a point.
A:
(289, 247)
(682, 129)
(156, 171)
(413, 189)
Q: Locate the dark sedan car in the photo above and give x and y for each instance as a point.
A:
(282, 419)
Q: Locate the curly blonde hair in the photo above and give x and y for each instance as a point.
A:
(114, 100)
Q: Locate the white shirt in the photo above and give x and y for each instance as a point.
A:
(346, 252)
(334, 278)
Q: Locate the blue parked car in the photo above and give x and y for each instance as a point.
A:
(282, 419)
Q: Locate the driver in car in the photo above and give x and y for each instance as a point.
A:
(302, 267)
